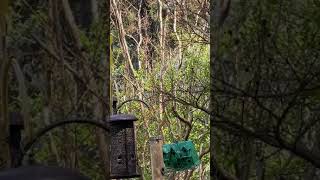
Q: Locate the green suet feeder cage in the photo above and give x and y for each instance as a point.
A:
(180, 156)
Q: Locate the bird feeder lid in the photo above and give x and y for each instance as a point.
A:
(122, 118)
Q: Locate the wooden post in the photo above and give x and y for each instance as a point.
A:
(157, 164)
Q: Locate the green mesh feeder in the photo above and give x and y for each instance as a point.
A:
(180, 156)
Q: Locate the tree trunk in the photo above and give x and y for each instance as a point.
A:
(107, 90)
(162, 65)
(25, 99)
(5, 159)
(68, 14)
(52, 11)
(122, 38)
(102, 142)
(94, 11)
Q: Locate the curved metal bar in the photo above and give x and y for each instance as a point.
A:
(28, 145)
(130, 100)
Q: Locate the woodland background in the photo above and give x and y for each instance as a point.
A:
(252, 77)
